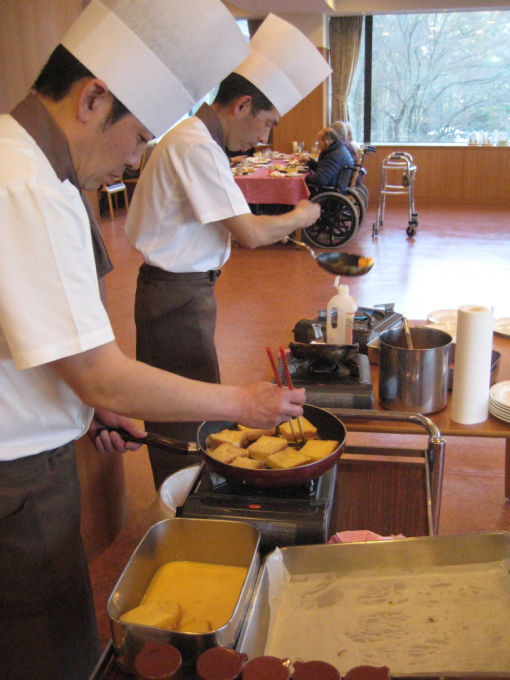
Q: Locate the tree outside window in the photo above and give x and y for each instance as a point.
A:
(438, 78)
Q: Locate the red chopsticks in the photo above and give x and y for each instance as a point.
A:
(289, 383)
(273, 366)
(291, 386)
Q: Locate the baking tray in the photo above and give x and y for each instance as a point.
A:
(429, 606)
(213, 541)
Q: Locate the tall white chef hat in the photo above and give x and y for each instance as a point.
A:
(158, 57)
(284, 64)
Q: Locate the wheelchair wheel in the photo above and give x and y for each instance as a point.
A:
(363, 191)
(337, 223)
(359, 204)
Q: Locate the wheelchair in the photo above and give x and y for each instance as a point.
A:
(343, 207)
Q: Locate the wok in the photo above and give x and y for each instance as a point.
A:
(328, 427)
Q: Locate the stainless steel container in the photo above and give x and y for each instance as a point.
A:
(213, 541)
(414, 379)
(383, 571)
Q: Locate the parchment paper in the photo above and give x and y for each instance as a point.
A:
(418, 619)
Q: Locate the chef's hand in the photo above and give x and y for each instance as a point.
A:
(265, 405)
(306, 213)
(111, 442)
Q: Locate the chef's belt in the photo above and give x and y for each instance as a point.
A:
(157, 274)
(175, 318)
(46, 605)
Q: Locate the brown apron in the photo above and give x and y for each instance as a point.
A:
(175, 318)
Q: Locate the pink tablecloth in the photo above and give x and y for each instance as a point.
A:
(261, 187)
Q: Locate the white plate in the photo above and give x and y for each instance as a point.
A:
(499, 407)
(443, 316)
(502, 326)
(500, 416)
(500, 393)
(450, 328)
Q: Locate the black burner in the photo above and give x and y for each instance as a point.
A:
(369, 323)
(341, 382)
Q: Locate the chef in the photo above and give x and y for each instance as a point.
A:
(122, 74)
(187, 206)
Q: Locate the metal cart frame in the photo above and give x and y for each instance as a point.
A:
(375, 460)
(431, 459)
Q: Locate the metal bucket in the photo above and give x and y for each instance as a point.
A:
(414, 379)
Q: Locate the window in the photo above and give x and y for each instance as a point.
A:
(436, 78)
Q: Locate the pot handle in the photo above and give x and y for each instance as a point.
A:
(156, 440)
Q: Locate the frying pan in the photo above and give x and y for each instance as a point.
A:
(328, 427)
(343, 264)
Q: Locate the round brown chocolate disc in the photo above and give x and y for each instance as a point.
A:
(265, 668)
(314, 670)
(157, 661)
(220, 663)
(368, 673)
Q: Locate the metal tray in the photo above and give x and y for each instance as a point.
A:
(386, 577)
(212, 541)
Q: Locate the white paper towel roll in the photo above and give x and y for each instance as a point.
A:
(471, 375)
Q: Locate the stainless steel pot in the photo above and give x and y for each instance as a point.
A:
(414, 379)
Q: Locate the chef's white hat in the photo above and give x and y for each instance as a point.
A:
(158, 57)
(284, 64)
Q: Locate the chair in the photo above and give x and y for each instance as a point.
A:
(113, 190)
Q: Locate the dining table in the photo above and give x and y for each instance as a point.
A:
(268, 181)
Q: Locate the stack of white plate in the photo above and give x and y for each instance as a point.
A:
(499, 400)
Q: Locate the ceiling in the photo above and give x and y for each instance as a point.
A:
(260, 8)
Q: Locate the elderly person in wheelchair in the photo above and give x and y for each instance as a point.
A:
(329, 183)
(332, 167)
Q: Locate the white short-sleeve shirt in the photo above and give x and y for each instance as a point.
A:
(184, 192)
(50, 304)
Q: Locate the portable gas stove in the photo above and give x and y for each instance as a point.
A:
(330, 382)
(296, 515)
(369, 323)
(336, 381)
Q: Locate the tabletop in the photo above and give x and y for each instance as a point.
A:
(491, 427)
(270, 182)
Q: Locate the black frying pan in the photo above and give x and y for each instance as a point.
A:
(328, 427)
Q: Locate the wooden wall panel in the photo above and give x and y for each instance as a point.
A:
(487, 173)
(300, 124)
(303, 122)
(29, 31)
(470, 175)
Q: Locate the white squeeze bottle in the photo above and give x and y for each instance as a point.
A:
(340, 316)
